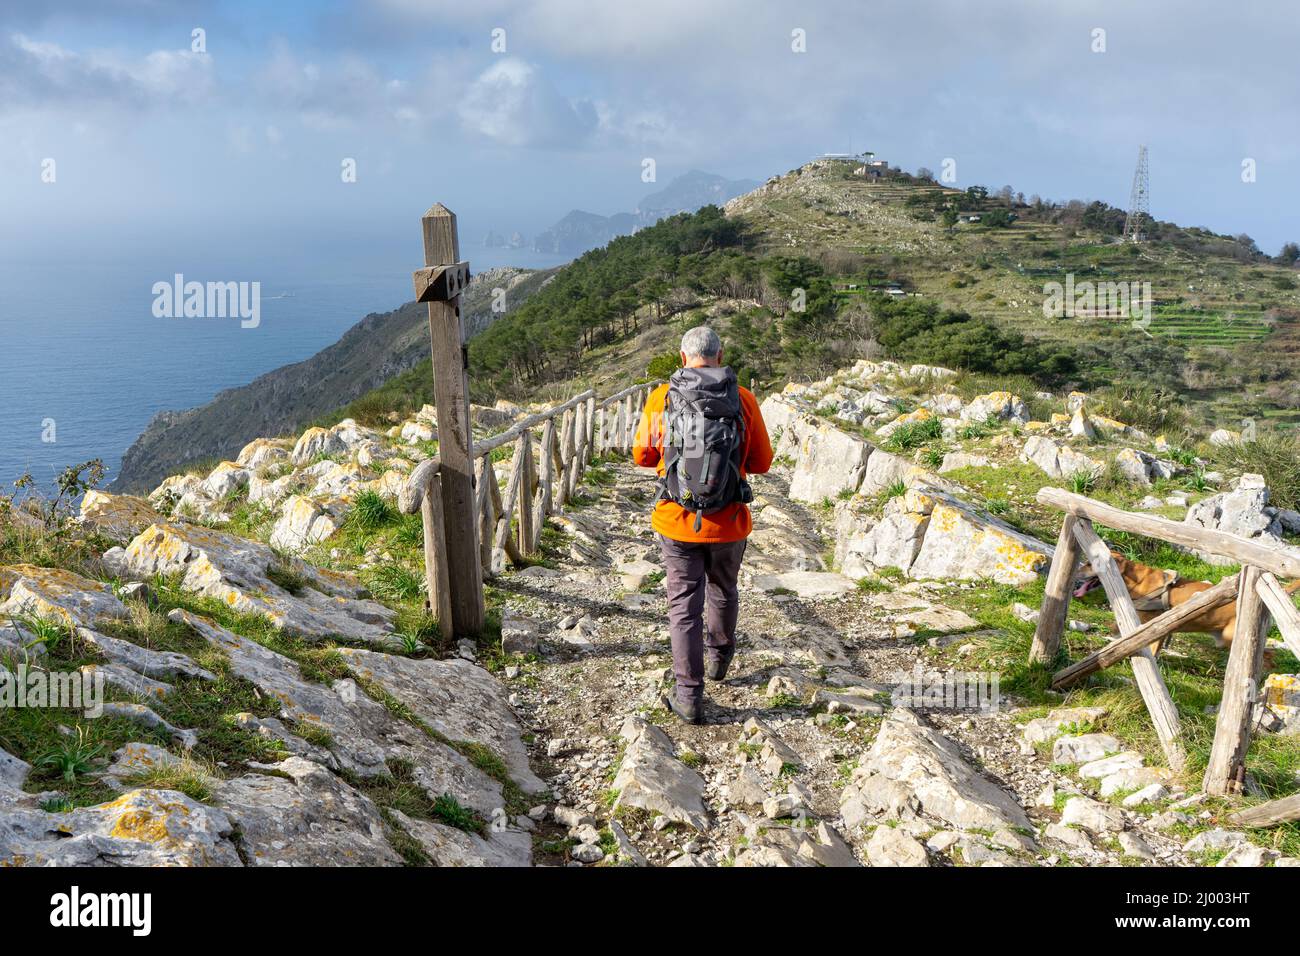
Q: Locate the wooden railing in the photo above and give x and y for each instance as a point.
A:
(1255, 590)
(551, 451)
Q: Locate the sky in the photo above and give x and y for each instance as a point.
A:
(512, 113)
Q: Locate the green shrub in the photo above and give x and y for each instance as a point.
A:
(1276, 456)
(371, 511)
(914, 434)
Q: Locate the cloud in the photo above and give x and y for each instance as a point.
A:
(35, 74)
(513, 104)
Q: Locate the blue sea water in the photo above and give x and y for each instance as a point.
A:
(81, 350)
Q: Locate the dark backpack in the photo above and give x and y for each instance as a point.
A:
(703, 432)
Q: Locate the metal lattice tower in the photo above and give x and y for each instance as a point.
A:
(1139, 200)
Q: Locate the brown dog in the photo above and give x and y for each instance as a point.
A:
(1155, 591)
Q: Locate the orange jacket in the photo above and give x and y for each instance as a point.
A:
(670, 519)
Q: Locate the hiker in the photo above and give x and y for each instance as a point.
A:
(705, 434)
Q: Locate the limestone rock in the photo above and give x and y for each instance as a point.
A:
(363, 735)
(1092, 815)
(519, 634)
(147, 717)
(1084, 748)
(459, 700)
(270, 493)
(142, 660)
(1058, 460)
(53, 594)
(236, 572)
(1211, 840)
(1103, 767)
(305, 521)
(747, 790)
(808, 585)
(1080, 426)
(137, 758)
(304, 815)
(139, 828)
(1137, 779)
(996, 406)
(1141, 468)
(13, 771)
(782, 418)
(1248, 855)
(337, 440)
(890, 846)
(117, 517)
(913, 770)
(225, 480)
(954, 460)
(261, 453)
(1133, 845)
(1043, 729)
(962, 542)
(652, 778)
(884, 470)
(829, 461)
(892, 542)
(115, 675)
(1243, 512)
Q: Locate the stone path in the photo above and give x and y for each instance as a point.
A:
(803, 759)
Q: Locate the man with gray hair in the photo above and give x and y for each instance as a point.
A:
(704, 434)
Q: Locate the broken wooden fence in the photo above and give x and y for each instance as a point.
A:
(1255, 590)
(550, 452)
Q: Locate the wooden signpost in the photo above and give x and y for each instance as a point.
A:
(470, 528)
(440, 284)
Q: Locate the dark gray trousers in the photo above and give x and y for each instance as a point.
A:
(697, 575)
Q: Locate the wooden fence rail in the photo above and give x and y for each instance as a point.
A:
(1255, 590)
(546, 468)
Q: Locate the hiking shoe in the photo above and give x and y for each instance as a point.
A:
(688, 712)
(715, 665)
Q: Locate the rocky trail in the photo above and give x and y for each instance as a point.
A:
(277, 696)
(802, 759)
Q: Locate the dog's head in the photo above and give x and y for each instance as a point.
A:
(1086, 578)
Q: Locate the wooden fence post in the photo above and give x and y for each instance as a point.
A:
(1056, 600)
(1284, 612)
(437, 577)
(439, 284)
(545, 493)
(1227, 766)
(1145, 670)
(503, 545)
(1268, 814)
(487, 482)
(579, 428)
(524, 451)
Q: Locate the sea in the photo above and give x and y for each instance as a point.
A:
(85, 363)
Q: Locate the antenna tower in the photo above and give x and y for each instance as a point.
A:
(1139, 201)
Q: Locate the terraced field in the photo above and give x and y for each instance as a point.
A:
(1222, 325)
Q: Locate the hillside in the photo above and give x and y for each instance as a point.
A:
(379, 347)
(896, 267)
(270, 670)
